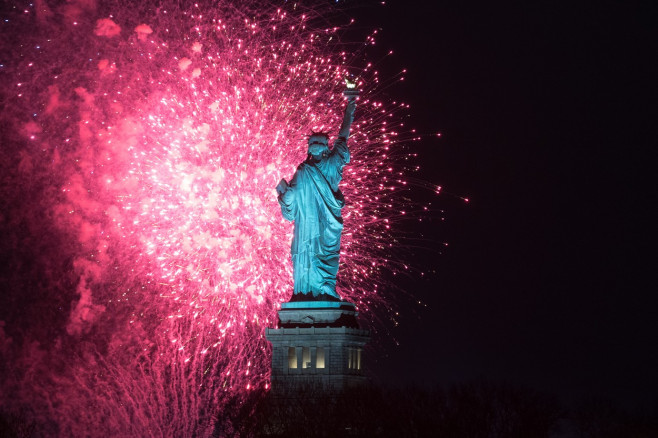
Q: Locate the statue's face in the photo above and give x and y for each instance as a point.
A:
(318, 145)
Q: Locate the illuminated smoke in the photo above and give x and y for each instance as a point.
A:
(142, 149)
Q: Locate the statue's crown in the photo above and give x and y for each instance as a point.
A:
(318, 134)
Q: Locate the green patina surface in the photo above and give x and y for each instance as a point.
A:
(313, 201)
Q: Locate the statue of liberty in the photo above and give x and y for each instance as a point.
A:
(313, 201)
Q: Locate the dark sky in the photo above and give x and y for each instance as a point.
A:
(546, 112)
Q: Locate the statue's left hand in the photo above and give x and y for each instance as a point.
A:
(282, 187)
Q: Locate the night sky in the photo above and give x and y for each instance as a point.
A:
(546, 112)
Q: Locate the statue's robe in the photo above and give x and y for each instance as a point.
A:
(314, 202)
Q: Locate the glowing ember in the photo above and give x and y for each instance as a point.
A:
(149, 139)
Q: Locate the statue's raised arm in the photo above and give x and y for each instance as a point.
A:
(351, 93)
(313, 201)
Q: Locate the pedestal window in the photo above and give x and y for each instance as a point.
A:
(292, 357)
(319, 358)
(354, 358)
(306, 357)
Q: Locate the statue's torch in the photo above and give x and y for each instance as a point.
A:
(350, 87)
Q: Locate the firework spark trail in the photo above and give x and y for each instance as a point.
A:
(160, 134)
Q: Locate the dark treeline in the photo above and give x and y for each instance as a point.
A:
(467, 410)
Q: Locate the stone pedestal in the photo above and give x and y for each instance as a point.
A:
(317, 345)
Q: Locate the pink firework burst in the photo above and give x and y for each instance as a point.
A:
(157, 134)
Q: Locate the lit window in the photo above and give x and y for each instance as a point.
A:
(292, 357)
(354, 358)
(319, 359)
(306, 357)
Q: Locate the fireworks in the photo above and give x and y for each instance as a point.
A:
(152, 138)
